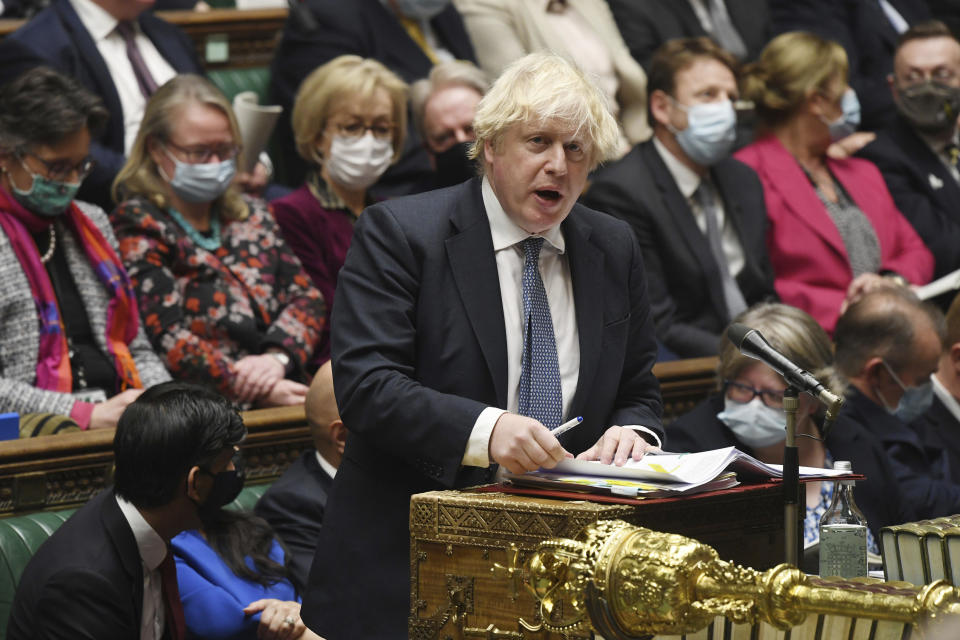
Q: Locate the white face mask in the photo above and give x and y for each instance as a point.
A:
(356, 163)
(754, 423)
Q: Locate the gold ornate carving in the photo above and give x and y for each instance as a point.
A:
(626, 581)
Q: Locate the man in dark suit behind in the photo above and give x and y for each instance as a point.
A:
(469, 322)
(71, 36)
(318, 31)
(294, 505)
(700, 272)
(172, 447)
(918, 153)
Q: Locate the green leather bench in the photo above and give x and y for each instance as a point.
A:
(21, 536)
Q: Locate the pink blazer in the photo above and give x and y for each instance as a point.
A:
(810, 263)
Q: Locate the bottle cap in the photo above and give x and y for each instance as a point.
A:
(842, 465)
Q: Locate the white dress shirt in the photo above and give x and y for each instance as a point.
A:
(688, 182)
(950, 402)
(152, 552)
(328, 468)
(555, 272)
(102, 27)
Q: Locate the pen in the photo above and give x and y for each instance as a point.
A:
(566, 426)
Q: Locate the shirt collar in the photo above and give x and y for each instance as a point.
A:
(937, 144)
(687, 180)
(95, 18)
(950, 402)
(326, 466)
(505, 231)
(153, 549)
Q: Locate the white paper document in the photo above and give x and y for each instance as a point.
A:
(256, 123)
(946, 283)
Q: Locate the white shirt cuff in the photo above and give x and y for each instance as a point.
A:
(650, 432)
(478, 446)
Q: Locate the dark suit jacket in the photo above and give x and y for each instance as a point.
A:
(85, 581)
(419, 350)
(294, 507)
(16, 58)
(923, 188)
(921, 470)
(369, 29)
(864, 31)
(648, 24)
(879, 496)
(686, 293)
(58, 36)
(938, 429)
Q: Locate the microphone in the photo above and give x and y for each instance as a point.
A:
(752, 344)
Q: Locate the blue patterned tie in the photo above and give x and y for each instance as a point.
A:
(540, 396)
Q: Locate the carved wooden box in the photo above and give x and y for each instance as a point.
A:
(456, 538)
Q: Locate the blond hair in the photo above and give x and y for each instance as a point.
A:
(446, 74)
(543, 87)
(140, 176)
(791, 68)
(344, 76)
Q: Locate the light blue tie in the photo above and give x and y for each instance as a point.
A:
(540, 395)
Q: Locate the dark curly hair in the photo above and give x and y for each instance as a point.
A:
(236, 535)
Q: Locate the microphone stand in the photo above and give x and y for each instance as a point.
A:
(791, 480)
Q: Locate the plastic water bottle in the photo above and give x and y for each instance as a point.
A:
(843, 532)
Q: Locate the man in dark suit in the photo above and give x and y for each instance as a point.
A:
(868, 31)
(917, 154)
(295, 503)
(318, 31)
(472, 320)
(700, 272)
(888, 344)
(71, 36)
(173, 451)
(647, 25)
(939, 427)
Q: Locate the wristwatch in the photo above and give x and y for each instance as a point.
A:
(282, 358)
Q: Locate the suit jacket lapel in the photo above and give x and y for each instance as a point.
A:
(116, 527)
(93, 61)
(168, 47)
(927, 164)
(586, 271)
(474, 269)
(685, 225)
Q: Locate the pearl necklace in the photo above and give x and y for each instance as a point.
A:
(45, 258)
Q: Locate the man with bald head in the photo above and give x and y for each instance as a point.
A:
(918, 153)
(888, 343)
(295, 504)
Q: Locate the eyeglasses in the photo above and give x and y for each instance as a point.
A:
(944, 75)
(744, 393)
(203, 155)
(60, 170)
(358, 129)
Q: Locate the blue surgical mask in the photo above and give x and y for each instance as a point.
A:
(849, 120)
(914, 402)
(754, 423)
(200, 182)
(711, 131)
(421, 9)
(45, 197)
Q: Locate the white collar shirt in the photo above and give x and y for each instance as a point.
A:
(947, 398)
(328, 468)
(153, 550)
(102, 28)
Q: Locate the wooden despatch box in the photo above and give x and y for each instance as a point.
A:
(456, 537)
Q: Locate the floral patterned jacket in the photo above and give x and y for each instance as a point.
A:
(203, 310)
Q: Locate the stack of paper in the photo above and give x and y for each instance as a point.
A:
(660, 474)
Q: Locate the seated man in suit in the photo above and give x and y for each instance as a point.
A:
(408, 37)
(443, 105)
(472, 320)
(295, 503)
(918, 153)
(120, 52)
(888, 343)
(173, 451)
(939, 426)
(699, 215)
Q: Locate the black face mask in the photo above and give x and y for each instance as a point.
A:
(226, 487)
(931, 107)
(453, 165)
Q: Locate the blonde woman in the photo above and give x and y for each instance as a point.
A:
(221, 296)
(349, 120)
(834, 228)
